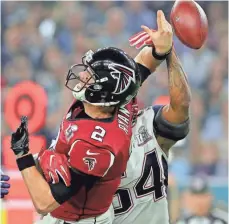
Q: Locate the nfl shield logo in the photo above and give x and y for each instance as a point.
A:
(69, 132)
(143, 136)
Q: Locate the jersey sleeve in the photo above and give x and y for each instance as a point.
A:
(144, 72)
(90, 159)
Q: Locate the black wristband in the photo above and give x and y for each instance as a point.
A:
(158, 56)
(25, 162)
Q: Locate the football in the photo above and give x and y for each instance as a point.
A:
(189, 23)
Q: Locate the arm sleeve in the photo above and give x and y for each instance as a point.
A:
(61, 193)
(145, 72)
(166, 129)
(90, 159)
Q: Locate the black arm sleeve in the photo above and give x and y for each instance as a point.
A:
(166, 129)
(61, 193)
(145, 72)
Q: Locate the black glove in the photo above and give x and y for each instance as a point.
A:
(20, 138)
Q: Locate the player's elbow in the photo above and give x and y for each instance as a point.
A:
(44, 210)
(46, 207)
(41, 211)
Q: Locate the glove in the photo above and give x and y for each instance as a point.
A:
(54, 166)
(20, 138)
(161, 39)
(4, 187)
(141, 39)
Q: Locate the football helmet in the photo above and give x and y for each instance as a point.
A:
(113, 78)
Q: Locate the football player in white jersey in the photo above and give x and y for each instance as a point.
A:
(142, 194)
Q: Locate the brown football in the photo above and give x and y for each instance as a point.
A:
(189, 23)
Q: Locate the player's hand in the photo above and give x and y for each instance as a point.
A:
(20, 138)
(54, 166)
(4, 186)
(161, 39)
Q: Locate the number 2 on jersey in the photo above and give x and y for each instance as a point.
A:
(99, 134)
(153, 169)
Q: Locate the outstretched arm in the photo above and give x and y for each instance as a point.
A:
(180, 95)
(176, 113)
(171, 122)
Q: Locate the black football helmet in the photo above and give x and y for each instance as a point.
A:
(114, 78)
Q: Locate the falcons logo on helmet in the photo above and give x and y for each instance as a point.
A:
(124, 76)
(90, 162)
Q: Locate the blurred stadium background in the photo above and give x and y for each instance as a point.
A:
(40, 40)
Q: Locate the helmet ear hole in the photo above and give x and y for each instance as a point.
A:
(97, 87)
(104, 95)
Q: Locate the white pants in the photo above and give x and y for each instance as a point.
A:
(105, 218)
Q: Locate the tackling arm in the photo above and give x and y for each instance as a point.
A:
(171, 122)
(180, 95)
(177, 112)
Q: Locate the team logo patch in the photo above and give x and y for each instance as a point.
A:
(69, 132)
(124, 76)
(143, 136)
(90, 162)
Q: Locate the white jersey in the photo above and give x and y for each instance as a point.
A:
(141, 197)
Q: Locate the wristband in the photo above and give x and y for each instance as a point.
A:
(158, 56)
(25, 162)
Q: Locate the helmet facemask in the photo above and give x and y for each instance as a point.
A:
(79, 84)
